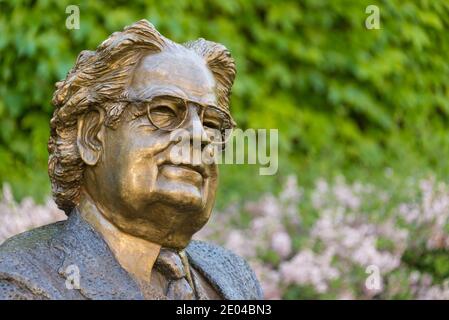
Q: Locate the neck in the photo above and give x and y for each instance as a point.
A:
(135, 255)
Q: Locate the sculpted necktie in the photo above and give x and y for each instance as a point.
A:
(174, 266)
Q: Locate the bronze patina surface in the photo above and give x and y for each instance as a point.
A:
(132, 209)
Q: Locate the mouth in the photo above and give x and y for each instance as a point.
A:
(195, 174)
(197, 168)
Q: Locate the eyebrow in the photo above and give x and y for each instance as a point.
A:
(160, 91)
(162, 94)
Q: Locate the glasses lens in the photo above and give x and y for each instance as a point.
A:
(167, 113)
(218, 125)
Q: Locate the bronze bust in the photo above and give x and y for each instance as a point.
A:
(132, 210)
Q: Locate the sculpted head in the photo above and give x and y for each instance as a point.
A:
(112, 132)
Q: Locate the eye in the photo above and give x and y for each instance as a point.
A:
(213, 118)
(163, 116)
(213, 124)
(163, 110)
(166, 113)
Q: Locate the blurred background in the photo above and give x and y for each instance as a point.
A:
(360, 204)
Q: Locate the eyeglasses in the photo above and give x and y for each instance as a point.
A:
(169, 113)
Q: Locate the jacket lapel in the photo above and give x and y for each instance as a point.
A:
(209, 263)
(101, 276)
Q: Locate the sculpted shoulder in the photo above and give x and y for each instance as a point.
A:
(25, 261)
(29, 240)
(229, 273)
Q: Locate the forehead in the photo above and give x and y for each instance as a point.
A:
(180, 73)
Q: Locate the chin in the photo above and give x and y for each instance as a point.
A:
(184, 197)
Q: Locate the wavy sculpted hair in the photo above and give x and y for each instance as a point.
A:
(101, 77)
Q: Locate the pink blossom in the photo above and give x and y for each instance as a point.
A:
(281, 243)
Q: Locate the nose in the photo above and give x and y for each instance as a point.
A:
(198, 134)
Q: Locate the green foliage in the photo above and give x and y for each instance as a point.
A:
(343, 97)
(434, 262)
(301, 292)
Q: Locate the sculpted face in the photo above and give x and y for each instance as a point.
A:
(135, 181)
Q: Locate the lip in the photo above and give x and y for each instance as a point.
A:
(186, 172)
(188, 166)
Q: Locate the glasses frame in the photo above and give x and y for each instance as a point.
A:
(203, 108)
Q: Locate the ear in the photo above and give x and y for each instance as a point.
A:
(90, 136)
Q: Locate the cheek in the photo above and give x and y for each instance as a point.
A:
(133, 152)
(138, 174)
